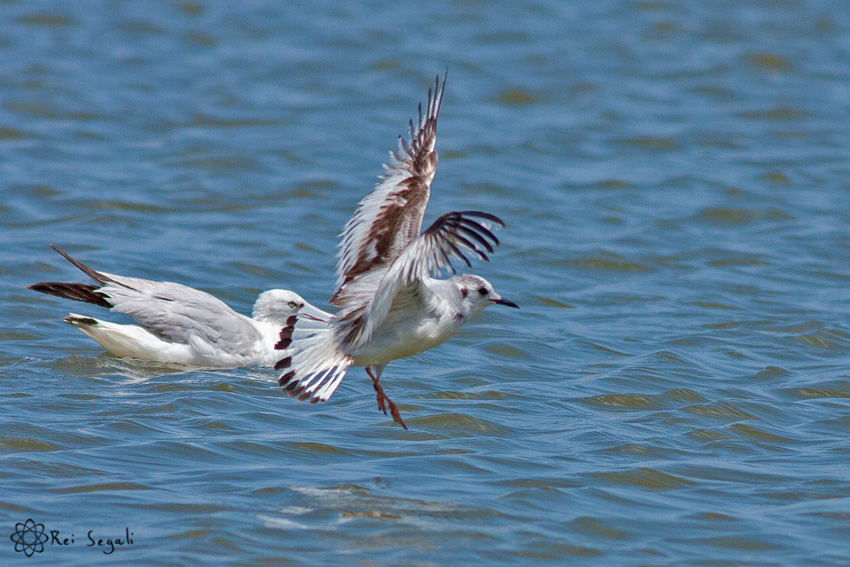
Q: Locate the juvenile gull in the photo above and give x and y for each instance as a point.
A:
(390, 305)
(180, 324)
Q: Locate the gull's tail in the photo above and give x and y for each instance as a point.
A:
(315, 365)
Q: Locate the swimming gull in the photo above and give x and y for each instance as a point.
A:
(390, 305)
(180, 324)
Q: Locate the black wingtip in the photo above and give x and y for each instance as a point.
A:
(483, 215)
(480, 228)
(475, 236)
(458, 253)
(284, 380)
(286, 333)
(293, 389)
(78, 292)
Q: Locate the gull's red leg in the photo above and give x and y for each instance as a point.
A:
(382, 397)
(378, 390)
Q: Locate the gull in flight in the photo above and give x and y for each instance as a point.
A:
(390, 305)
(180, 324)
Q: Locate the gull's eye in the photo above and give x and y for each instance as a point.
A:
(464, 292)
(482, 290)
(292, 304)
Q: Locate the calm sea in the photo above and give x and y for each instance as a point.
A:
(675, 390)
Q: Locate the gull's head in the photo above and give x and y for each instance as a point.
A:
(276, 305)
(476, 293)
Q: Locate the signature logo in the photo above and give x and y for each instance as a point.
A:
(29, 537)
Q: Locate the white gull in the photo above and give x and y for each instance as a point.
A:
(390, 305)
(180, 324)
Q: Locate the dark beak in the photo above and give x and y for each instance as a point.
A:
(506, 302)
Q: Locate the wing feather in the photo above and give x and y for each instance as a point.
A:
(315, 366)
(432, 251)
(389, 218)
(178, 313)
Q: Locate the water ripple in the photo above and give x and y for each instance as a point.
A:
(673, 389)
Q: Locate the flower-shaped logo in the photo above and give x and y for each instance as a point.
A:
(29, 537)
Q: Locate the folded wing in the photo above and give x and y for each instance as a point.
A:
(171, 311)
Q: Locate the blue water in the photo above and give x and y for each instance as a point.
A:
(674, 391)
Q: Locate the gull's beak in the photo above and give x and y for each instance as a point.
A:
(506, 302)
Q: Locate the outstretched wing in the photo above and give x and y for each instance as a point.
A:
(452, 235)
(390, 216)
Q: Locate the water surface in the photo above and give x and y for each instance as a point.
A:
(674, 391)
